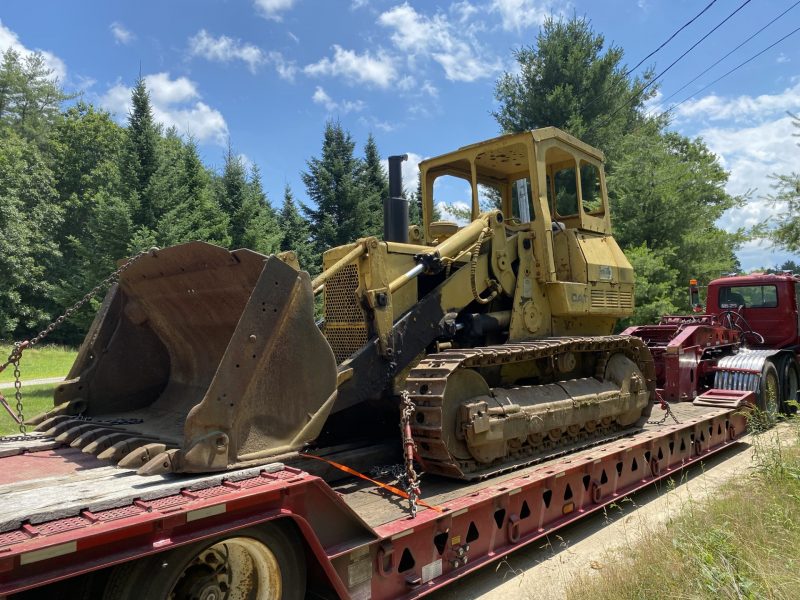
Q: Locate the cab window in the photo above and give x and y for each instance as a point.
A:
(748, 296)
(591, 194)
(565, 190)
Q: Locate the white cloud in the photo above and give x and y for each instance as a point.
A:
(741, 108)
(455, 48)
(176, 103)
(782, 58)
(345, 106)
(409, 170)
(517, 15)
(377, 70)
(356, 4)
(293, 37)
(463, 10)
(752, 154)
(753, 138)
(121, 35)
(272, 9)
(225, 49)
(286, 69)
(9, 39)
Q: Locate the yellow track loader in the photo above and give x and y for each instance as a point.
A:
(498, 328)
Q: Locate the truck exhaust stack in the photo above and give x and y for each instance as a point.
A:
(140, 393)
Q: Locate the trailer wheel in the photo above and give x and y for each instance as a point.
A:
(258, 563)
(769, 392)
(791, 384)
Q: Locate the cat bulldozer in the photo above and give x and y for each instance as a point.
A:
(498, 329)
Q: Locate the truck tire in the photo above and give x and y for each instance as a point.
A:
(258, 563)
(769, 389)
(790, 373)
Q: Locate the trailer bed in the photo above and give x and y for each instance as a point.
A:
(65, 513)
(378, 507)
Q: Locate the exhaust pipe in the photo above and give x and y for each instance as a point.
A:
(395, 207)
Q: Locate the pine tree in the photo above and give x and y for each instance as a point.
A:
(375, 187)
(339, 215)
(141, 156)
(231, 193)
(261, 231)
(195, 215)
(295, 234)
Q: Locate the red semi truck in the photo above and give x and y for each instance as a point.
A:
(747, 339)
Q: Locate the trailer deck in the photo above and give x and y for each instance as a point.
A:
(83, 516)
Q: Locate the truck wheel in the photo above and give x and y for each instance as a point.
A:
(258, 563)
(769, 391)
(791, 384)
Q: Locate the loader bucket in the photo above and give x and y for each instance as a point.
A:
(200, 359)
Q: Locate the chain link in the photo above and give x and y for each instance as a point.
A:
(411, 477)
(19, 347)
(667, 412)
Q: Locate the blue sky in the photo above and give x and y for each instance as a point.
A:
(267, 74)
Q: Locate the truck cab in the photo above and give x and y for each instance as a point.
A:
(768, 305)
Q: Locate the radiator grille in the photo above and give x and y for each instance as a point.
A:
(345, 322)
(612, 299)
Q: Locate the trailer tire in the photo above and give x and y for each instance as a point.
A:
(264, 562)
(790, 374)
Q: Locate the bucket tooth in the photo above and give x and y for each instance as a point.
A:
(120, 449)
(105, 441)
(89, 436)
(51, 422)
(160, 464)
(63, 426)
(74, 431)
(69, 409)
(141, 455)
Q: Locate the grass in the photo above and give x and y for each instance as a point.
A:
(35, 399)
(39, 362)
(744, 543)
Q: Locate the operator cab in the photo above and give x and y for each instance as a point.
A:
(567, 190)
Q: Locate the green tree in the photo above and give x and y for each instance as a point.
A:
(30, 97)
(261, 231)
(295, 234)
(193, 213)
(141, 157)
(29, 219)
(567, 81)
(339, 214)
(655, 285)
(667, 192)
(375, 187)
(785, 231)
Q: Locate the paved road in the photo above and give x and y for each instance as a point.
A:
(544, 570)
(25, 382)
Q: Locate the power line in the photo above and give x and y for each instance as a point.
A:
(736, 68)
(637, 65)
(683, 87)
(674, 106)
(670, 38)
(672, 64)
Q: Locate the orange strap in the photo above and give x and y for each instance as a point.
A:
(385, 486)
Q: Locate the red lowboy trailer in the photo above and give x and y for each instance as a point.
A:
(73, 527)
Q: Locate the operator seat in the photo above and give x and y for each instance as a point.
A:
(731, 299)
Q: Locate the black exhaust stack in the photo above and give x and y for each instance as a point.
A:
(395, 207)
